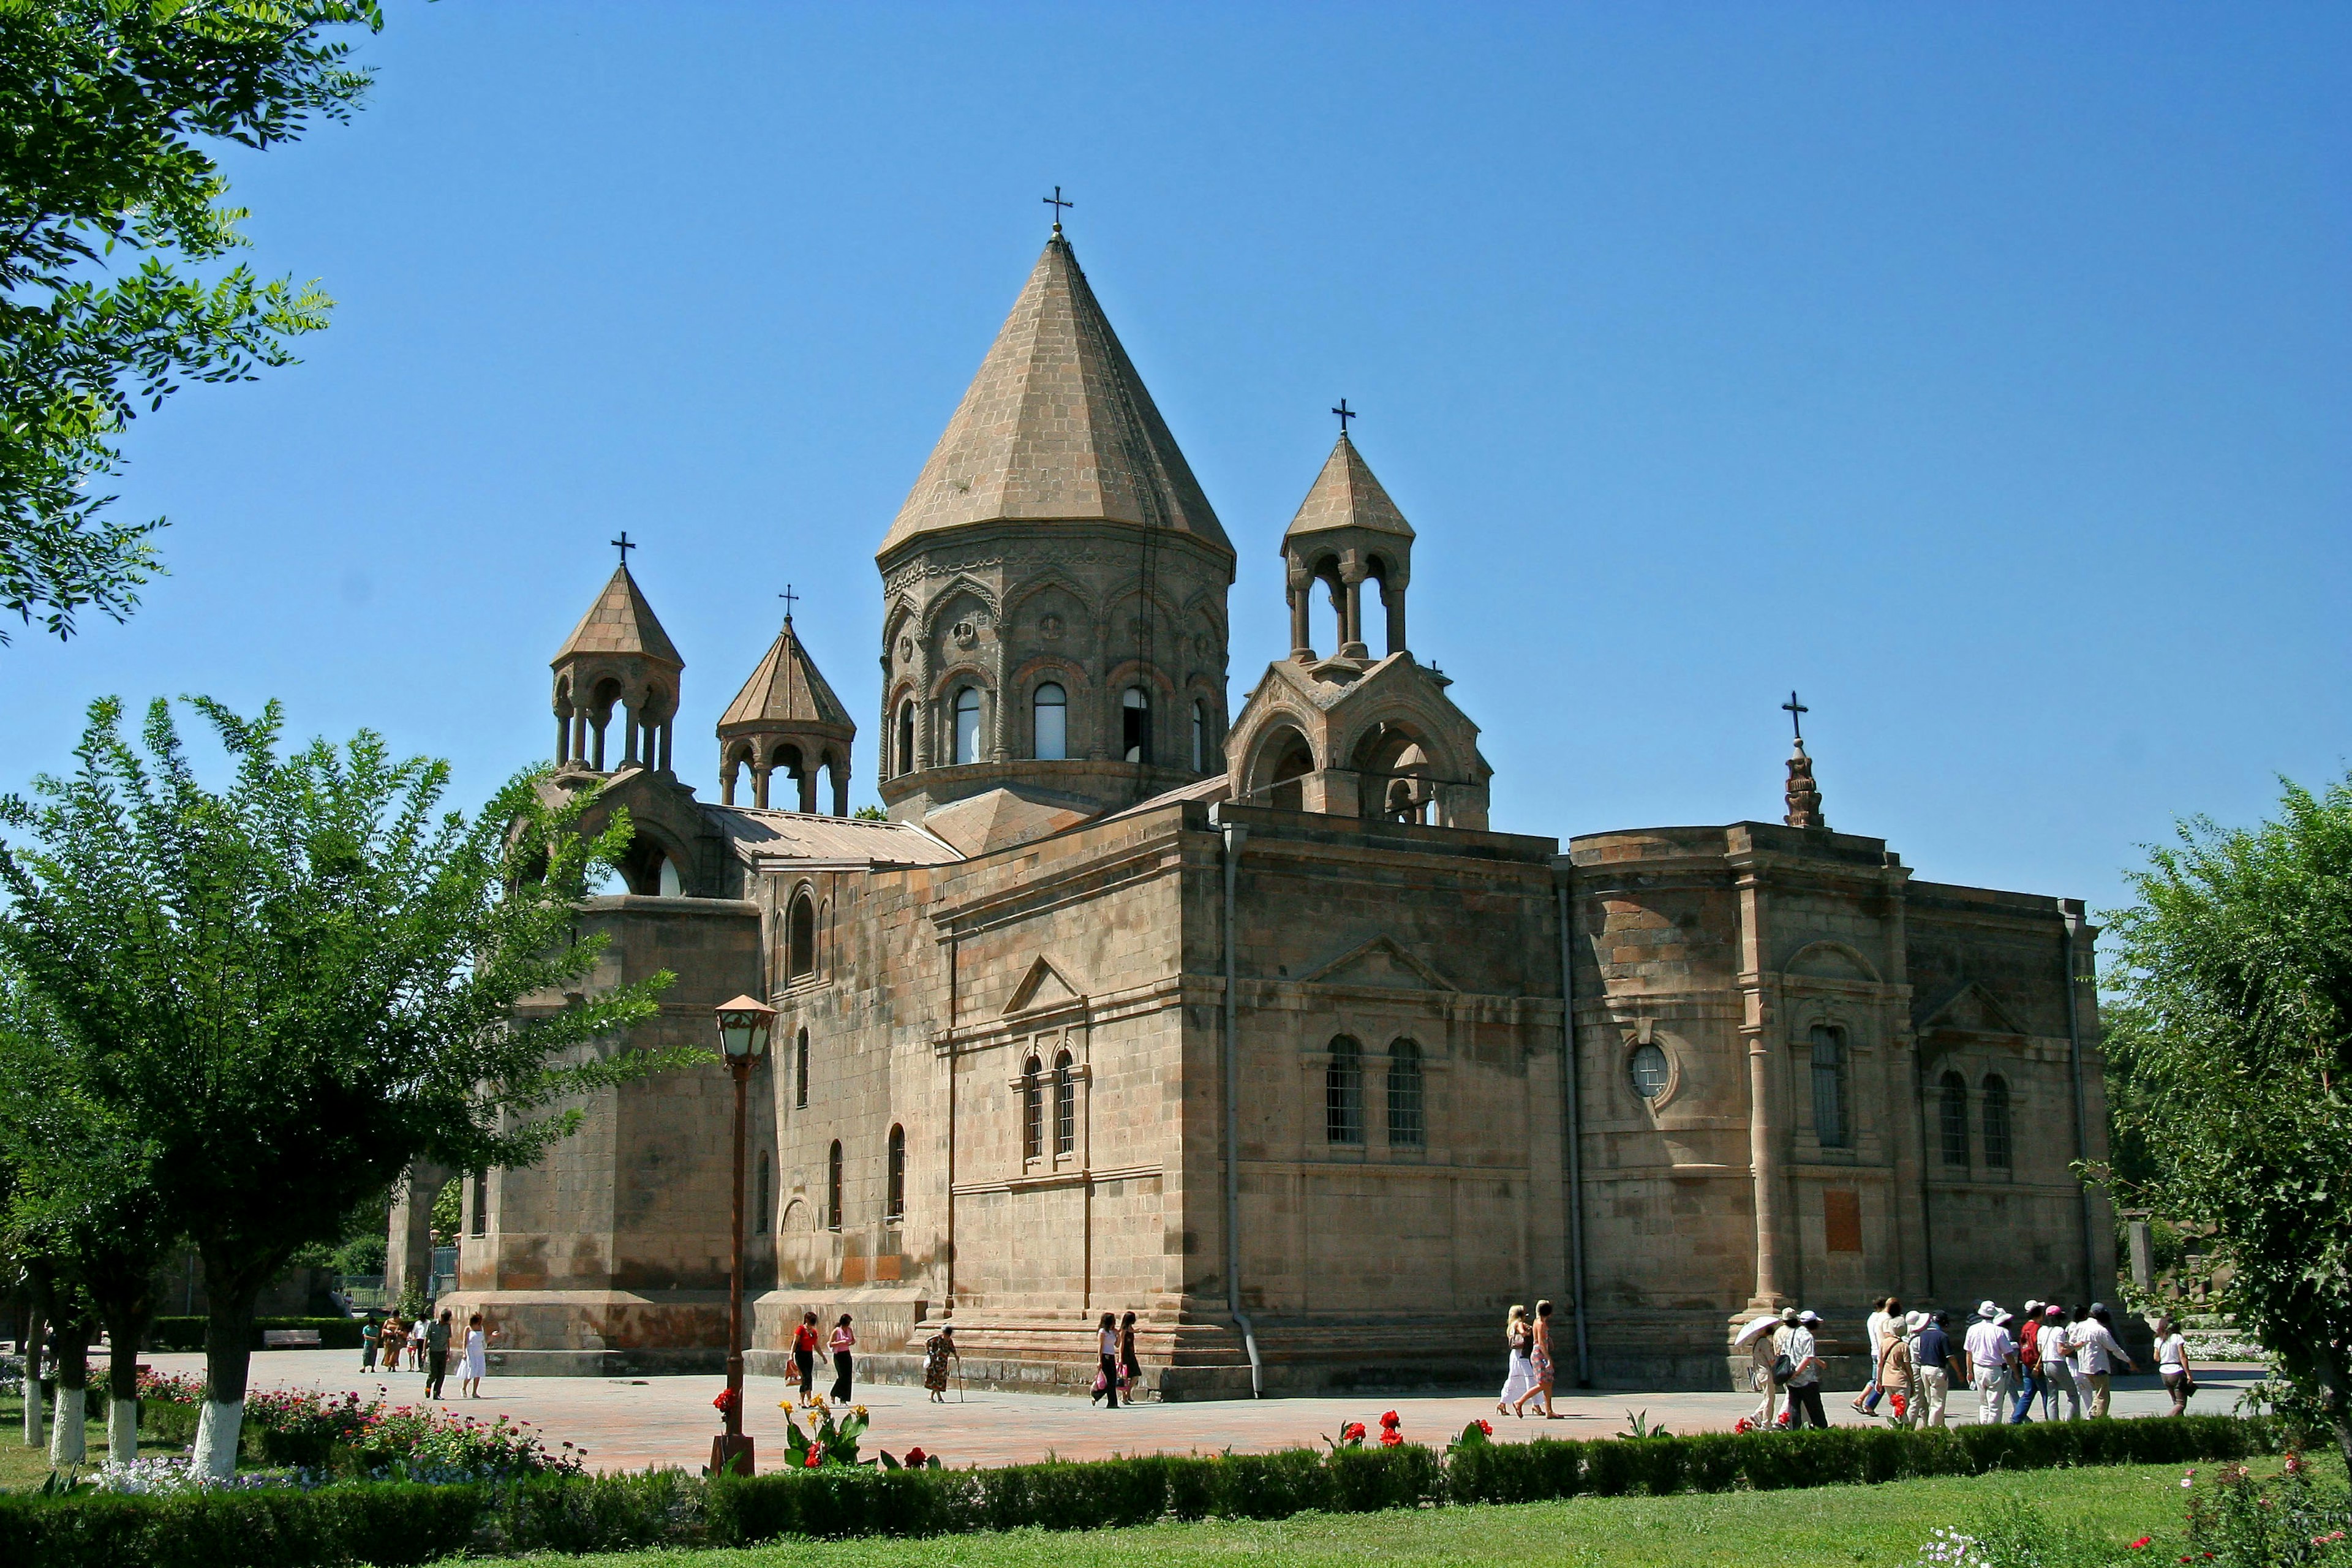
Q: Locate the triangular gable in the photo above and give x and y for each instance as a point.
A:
(1969, 1009)
(1043, 988)
(1382, 963)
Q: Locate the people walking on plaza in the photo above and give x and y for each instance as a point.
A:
(437, 1354)
(2057, 1371)
(937, 1350)
(2172, 1365)
(1803, 1347)
(1992, 1354)
(2101, 1352)
(1883, 1310)
(804, 1354)
(477, 1359)
(371, 1337)
(2029, 1361)
(395, 1338)
(1540, 1365)
(1762, 1338)
(1931, 1365)
(841, 1341)
(1106, 1351)
(1130, 1371)
(1891, 1373)
(1519, 1375)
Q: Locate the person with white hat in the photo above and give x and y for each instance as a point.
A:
(1802, 1350)
(1992, 1355)
(1893, 1375)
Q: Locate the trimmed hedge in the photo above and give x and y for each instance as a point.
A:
(390, 1524)
(188, 1334)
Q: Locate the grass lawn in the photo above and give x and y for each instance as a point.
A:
(22, 1468)
(1812, 1529)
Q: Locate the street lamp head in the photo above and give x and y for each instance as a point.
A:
(743, 1025)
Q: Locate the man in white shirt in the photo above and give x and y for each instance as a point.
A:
(1992, 1356)
(2100, 1354)
(1881, 1324)
(1804, 1350)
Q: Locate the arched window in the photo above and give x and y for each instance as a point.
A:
(800, 1072)
(1065, 1105)
(481, 1225)
(1033, 1111)
(967, 725)
(1343, 1093)
(1830, 1123)
(1051, 708)
(669, 886)
(799, 937)
(898, 1209)
(1135, 725)
(760, 1213)
(1200, 735)
(1996, 1121)
(1954, 1118)
(1407, 1126)
(907, 736)
(833, 1188)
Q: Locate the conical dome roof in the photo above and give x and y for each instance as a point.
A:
(1345, 495)
(786, 691)
(1057, 427)
(620, 622)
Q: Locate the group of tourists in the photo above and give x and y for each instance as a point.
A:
(1118, 1369)
(2043, 1354)
(426, 1341)
(1530, 1374)
(842, 1342)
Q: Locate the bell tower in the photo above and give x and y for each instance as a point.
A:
(617, 660)
(1346, 533)
(786, 720)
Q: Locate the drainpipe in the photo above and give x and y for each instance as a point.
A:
(1234, 836)
(1570, 1087)
(2082, 1109)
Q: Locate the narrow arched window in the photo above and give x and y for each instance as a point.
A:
(898, 1210)
(1407, 1124)
(800, 1072)
(907, 736)
(1831, 1125)
(1033, 1111)
(967, 725)
(1343, 1093)
(760, 1212)
(1953, 1120)
(666, 883)
(1996, 1121)
(1135, 725)
(481, 1225)
(833, 1188)
(1051, 708)
(1065, 1105)
(1200, 736)
(799, 937)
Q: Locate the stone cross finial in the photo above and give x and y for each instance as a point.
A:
(1804, 796)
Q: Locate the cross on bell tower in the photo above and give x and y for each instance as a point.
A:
(1803, 795)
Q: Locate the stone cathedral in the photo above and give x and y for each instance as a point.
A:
(1244, 1018)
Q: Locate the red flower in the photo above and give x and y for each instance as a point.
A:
(1392, 1421)
(815, 1458)
(1487, 1427)
(1353, 1431)
(726, 1400)
(2143, 1540)
(915, 1457)
(1391, 1438)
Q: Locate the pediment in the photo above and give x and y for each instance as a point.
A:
(1969, 1009)
(1382, 963)
(1043, 988)
(1831, 960)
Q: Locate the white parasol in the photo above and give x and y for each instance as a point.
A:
(1757, 1330)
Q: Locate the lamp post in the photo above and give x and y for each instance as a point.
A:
(743, 1025)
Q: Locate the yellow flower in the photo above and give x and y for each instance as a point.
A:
(858, 1411)
(785, 1406)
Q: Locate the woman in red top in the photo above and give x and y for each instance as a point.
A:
(804, 1351)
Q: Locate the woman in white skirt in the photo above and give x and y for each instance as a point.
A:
(1521, 1338)
(477, 1358)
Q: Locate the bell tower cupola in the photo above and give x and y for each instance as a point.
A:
(783, 728)
(618, 662)
(1347, 532)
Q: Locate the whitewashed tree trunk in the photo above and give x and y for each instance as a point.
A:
(216, 1433)
(122, 1431)
(68, 1443)
(35, 1414)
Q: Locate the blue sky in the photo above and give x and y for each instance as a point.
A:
(1983, 372)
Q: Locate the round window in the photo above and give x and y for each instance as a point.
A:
(1649, 1067)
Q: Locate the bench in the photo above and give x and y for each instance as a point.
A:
(289, 1338)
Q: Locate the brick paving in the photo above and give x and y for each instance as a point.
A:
(632, 1423)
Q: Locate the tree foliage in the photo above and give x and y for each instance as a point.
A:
(105, 107)
(2233, 975)
(294, 988)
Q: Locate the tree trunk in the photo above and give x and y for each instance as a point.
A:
(228, 1356)
(2333, 1372)
(37, 1332)
(68, 1443)
(126, 1331)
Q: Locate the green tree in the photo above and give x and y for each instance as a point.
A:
(2232, 977)
(295, 986)
(105, 108)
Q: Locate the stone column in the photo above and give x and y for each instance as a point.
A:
(759, 787)
(808, 788)
(1352, 613)
(1300, 649)
(631, 726)
(841, 789)
(563, 737)
(1392, 601)
(665, 745)
(1775, 1273)
(408, 1249)
(727, 771)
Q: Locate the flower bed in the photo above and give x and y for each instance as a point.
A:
(341, 1436)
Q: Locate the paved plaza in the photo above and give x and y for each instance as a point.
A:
(631, 1423)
